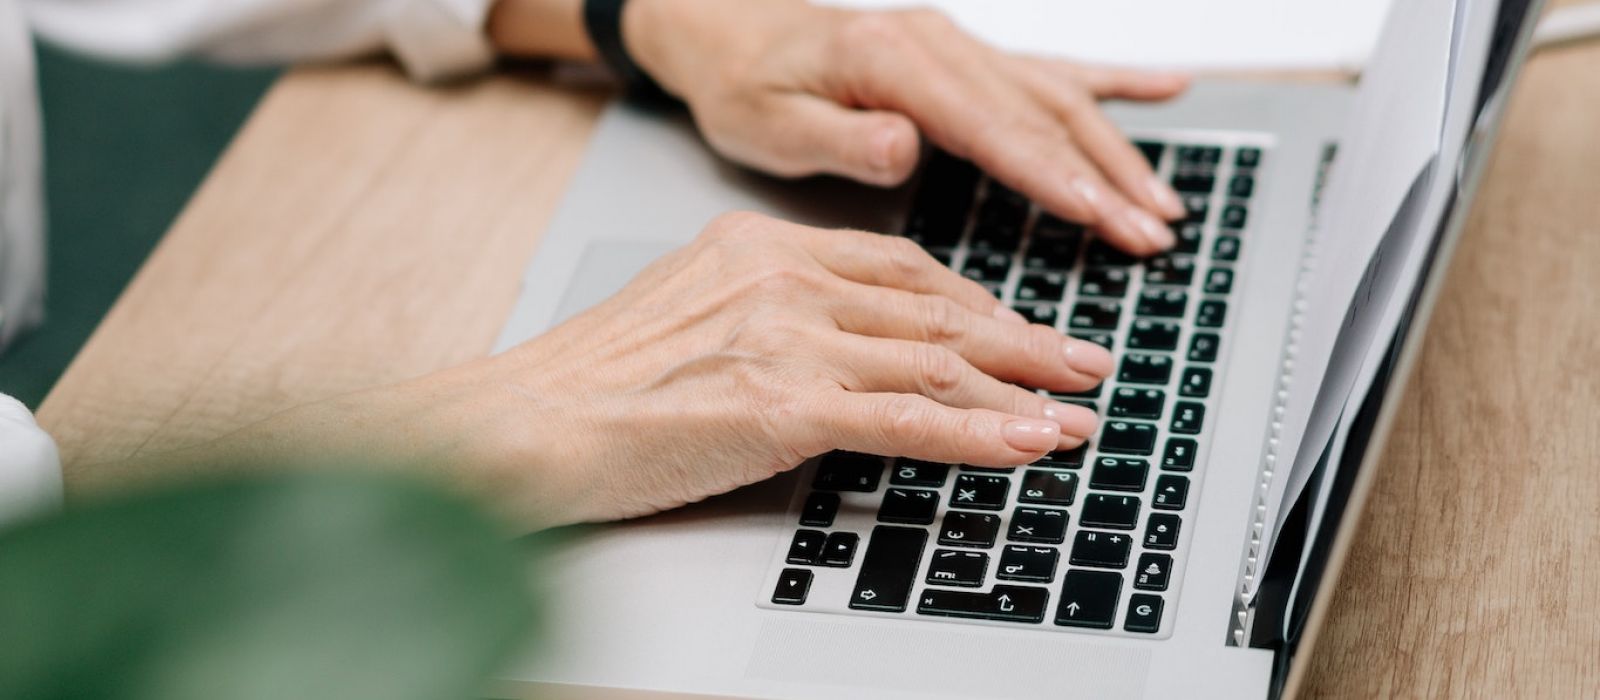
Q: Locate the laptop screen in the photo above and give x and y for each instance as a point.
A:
(1285, 625)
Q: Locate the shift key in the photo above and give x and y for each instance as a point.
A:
(889, 568)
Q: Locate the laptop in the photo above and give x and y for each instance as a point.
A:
(1167, 557)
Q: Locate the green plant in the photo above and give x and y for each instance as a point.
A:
(308, 584)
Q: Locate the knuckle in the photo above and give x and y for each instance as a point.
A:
(904, 419)
(873, 29)
(971, 431)
(905, 259)
(735, 225)
(1042, 344)
(944, 322)
(940, 371)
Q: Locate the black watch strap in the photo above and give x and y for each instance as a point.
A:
(603, 20)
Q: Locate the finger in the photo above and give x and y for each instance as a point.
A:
(808, 135)
(954, 96)
(918, 427)
(888, 261)
(872, 365)
(1108, 83)
(1104, 143)
(1028, 354)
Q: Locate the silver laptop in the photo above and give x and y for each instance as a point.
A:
(1131, 568)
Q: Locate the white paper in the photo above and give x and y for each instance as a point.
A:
(1212, 35)
(1393, 134)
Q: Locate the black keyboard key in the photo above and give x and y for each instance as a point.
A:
(943, 201)
(1212, 314)
(1187, 417)
(1018, 563)
(1164, 303)
(1189, 235)
(819, 509)
(1197, 208)
(1169, 270)
(1129, 402)
(1119, 474)
(889, 568)
(1089, 599)
(980, 491)
(1008, 603)
(1226, 249)
(1104, 510)
(1234, 216)
(1153, 573)
(1104, 282)
(909, 506)
(950, 567)
(1218, 281)
(848, 471)
(1107, 550)
(1043, 285)
(1150, 334)
(806, 548)
(1242, 186)
(840, 549)
(1100, 253)
(1172, 492)
(1120, 437)
(1203, 347)
(1199, 155)
(1247, 157)
(1104, 340)
(1196, 383)
(1044, 314)
(1040, 525)
(1048, 488)
(963, 529)
(987, 267)
(1151, 150)
(1095, 315)
(1054, 244)
(1194, 182)
(915, 472)
(1144, 614)
(1162, 531)
(793, 585)
(1000, 220)
(1142, 368)
(1065, 459)
(1179, 456)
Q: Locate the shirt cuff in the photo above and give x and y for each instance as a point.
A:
(30, 467)
(440, 39)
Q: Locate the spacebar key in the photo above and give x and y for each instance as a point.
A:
(889, 568)
(1010, 603)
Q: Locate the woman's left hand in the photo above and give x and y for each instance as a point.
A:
(795, 89)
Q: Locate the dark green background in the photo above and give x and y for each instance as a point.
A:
(125, 146)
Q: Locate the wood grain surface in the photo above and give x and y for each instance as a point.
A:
(361, 230)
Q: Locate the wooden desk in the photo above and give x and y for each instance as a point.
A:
(361, 230)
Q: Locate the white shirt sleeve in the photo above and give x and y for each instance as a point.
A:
(30, 469)
(432, 39)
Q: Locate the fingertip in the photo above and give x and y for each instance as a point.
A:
(1076, 422)
(892, 150)
(1085, 357)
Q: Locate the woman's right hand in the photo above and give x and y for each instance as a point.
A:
(757, 346)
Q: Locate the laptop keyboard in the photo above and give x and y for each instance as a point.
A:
(1090, 539)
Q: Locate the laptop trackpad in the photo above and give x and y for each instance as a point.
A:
(604, 268)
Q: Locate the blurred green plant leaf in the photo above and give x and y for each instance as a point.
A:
(293, 585)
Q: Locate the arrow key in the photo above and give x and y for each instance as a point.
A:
(840, 549)
(793, 585)
(806, 547)
(1089, 599)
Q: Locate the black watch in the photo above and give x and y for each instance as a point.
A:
(603, 20)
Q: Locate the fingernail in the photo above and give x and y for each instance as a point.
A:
(1032, 435)
(1088, 358)
(1089, 193)
(1154, 231)
(1006, 313)
(1075, 421)
(1170, 204)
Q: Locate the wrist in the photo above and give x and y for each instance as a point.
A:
(688, 45)
(539, 28)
